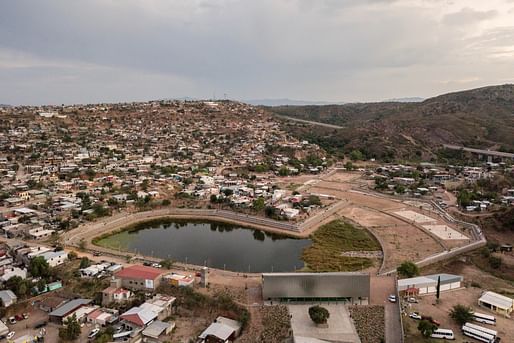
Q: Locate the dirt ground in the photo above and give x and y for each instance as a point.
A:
(466, 296)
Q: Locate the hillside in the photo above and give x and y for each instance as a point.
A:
(482, 118)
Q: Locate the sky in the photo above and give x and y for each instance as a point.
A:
(54, 52)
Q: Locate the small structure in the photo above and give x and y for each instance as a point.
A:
(428, 284)
(8, 298)
(57, 315)
(497, 303)
(179, 280)
(115, 293)
(155, 331)
(223, 330)
(204, 278)
(4, 330)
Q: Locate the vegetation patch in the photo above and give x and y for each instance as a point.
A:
(369, 322)
(334, 238)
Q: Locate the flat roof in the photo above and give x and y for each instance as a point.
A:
(316, 285)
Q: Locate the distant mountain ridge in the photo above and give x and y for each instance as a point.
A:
(288, 102)
(481, 118)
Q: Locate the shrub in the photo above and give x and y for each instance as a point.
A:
(318, 314)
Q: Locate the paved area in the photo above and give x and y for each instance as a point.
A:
(415, 217)
(340, 326)
(381, 288)
(445, 232)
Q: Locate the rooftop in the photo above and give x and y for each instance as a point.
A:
(139, 272)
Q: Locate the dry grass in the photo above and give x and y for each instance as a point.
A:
(334, 238)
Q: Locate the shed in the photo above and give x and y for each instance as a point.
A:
(497, 303)
(428, 284)
(8, 298)
(158, 328)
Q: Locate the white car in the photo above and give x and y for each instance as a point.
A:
(93, 333)
(156, 265)
(415, 315)
(11, 334)
(392, 298)
(412, 300)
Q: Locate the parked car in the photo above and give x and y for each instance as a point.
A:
(11, 334)
(156, 265)
(412, 300)
(415, 315)
(12, 320)
(148, 264)
(431, 320)
(392, 298)
(96, 253)
(18, 317)
(25, 316)
(93, 333)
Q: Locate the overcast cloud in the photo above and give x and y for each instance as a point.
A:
(336, 50)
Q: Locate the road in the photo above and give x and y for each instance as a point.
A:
(317, 123)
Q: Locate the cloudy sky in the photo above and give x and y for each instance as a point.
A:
(54, 52)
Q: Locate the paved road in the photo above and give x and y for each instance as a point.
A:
(317, 123)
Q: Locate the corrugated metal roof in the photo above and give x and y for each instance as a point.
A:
(69, 306)
(497, 300)
(315, 285)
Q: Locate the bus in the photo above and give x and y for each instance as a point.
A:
(482, 329)
(484, 318)
(478, 335)
(443, 333)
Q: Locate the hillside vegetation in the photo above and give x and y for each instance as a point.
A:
(481, 118)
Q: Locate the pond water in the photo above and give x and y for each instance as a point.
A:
(218, 245)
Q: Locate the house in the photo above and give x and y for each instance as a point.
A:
(179, 280)
(14, 271)
(140, 277)
(8, 298)
(427, 284)
(139, 316)
(55, 258)
(223, 330)
(162, 305)
(39, 233)
(115, 293)
(102, 317)
(497, 303)
(63, 311)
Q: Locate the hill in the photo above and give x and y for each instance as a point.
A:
(481, 118)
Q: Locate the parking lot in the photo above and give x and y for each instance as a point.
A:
(467, 296)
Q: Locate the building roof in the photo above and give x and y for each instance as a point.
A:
(219, 330)
(140, 316)
(427, 280)
(7, 296)
(139, 272)
(155, 329)
(315, 285)
(70, 306)
(497, 300)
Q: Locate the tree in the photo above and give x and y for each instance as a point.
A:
(408, 269)
(438, 288)
(314, 200)
(166, 202)
(461, 314)
(38, 267)
(426, 328)
(495, 262)
(283, 171)
(318, 314)
(356, 155)
(259, 204)
(72, 255)
(214, 198)
(348, 166)
(17, 285)
(71, 329)
(84, 262)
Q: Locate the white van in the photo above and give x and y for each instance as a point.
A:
(443, 334)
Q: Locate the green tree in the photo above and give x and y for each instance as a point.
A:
(84, 262)
(283, 171)
(356, 155)
(495, 262)
(426, 328)
(71, 329)
(464, 198)
(259, 204)
(348, 166)
(408, 269)
(318, 314)
(461, 314)
(17, 285)
(314, 200)
(214, 198)
(38, 267)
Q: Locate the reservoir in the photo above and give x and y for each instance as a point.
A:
(214, 244)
